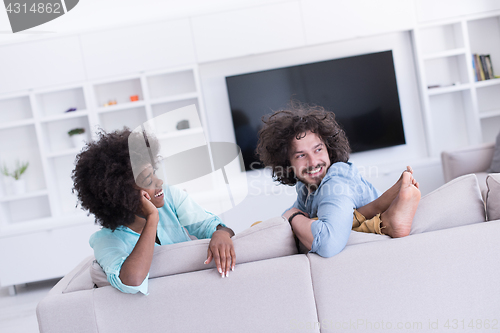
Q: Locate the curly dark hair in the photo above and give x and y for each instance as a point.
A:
(281, 127)
(103, 177)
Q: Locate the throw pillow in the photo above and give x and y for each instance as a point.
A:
(454, 204)
(269, 239)
(495, 162)
(493, 196)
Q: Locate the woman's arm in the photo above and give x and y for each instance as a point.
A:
(221, 249)
(136, 267)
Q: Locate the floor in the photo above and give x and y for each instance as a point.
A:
(17, 313)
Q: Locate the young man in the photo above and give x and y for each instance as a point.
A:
(304, 145)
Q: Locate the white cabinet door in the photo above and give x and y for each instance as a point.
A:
(138, 48)
(430, 10)
(40, 64)
(248, 31)
(328, 21)
(43, 255)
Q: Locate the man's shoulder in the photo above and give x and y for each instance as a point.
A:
(340, 172)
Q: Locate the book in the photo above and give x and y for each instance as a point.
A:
(480, 67)
(475, 65)
(490, 66)
(485, 68)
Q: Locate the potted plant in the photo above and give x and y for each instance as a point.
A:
(18, 185)
(78, 137)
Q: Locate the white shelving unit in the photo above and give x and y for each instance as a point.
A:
(458, 110)
(34, 127)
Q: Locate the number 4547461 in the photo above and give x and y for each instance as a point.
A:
(48, 8)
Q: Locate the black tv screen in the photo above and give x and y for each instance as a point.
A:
(360, 90)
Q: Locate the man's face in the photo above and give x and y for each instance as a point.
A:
(309, 158)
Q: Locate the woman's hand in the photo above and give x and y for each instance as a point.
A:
(148, 207)
(221, 249)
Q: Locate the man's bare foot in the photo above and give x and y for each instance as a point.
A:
(397, 219)
(386, 199)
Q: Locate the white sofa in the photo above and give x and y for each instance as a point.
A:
(443, 275)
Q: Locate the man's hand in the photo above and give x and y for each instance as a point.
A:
(221, 249)
(291, 211)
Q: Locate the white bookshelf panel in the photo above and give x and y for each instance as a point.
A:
(163, 108)
(20, 143)
(484, 35)
(488, 98)
(119, 91)
(57, 102)
(15, 109)
(22, 210)
(449, 118)
(446, 71)
(173, 145)
(62, 168)
(490, 128)
(441, 38)
(111, 121)
(55, 133)
(171, 84)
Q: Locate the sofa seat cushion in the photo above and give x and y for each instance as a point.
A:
(456, 203)
(493, 196)
(274, 295)
(422, 278)
(269, 239)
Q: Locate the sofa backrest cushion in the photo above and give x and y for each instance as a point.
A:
(269, 239)
(454, 204)
(78, 278)
(493, 196)
(274, 295)
(442, 274)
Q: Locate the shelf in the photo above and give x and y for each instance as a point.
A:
(171, 84)
(441, 38)
(445, 90)
(68, 115)
(176, 98)
(489, 114)
(119, 91)
(15, 109)
(46, 223)
(17, 123)
(26, 195)
(486, 83)
(121, 106)
(70, 151)
(180, 133)
(444, 54)
(57, 102)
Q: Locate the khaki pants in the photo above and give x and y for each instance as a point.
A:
(360, 223)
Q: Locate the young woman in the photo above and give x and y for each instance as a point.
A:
(141, 212)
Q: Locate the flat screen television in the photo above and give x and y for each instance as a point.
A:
(360, 90)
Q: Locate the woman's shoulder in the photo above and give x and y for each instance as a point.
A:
(106, 235)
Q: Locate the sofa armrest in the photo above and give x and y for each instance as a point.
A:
(467, 160)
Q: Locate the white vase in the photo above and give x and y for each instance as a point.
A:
(79, 140)
(19, 186)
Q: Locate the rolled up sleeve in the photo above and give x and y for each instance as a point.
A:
(333, 227)
(110, 252)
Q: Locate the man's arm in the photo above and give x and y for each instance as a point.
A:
(301, 226)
